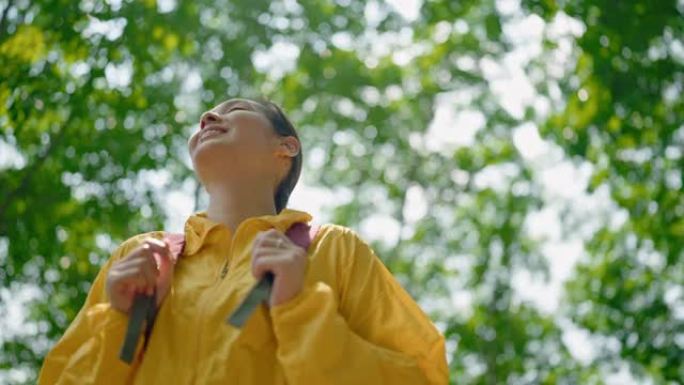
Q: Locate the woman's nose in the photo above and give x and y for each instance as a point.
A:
(208, 117)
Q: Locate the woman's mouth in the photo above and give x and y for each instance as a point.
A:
(209, 132)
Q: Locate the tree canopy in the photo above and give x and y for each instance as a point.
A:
(98, 96)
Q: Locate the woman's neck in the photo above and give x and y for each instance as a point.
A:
(231, 204)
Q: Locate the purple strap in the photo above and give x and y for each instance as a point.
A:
(301, 234)
(176, 243)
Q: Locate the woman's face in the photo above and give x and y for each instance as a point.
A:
(235, 140)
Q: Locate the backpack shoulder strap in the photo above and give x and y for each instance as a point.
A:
(144, 307)
(176, 243)
(302, 234)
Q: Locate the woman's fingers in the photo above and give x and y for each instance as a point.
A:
(270, 253)
(139, 275)
(144, 265)
(149, 247)
(262, 265)
(146, 251)
(277, 243)
(139, 259)
(163, 251)
(273, 252)
(271, 237)
(141, 271)
(156, 246)
(131, 278)
(266, 251)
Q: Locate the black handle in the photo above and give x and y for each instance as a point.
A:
(143, 308)
(261, 292)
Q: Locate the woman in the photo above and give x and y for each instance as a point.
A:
(335, 315)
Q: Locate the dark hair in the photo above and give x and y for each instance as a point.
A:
(283, 127)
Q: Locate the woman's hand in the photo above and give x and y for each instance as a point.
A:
(146, 268)
(273, 252)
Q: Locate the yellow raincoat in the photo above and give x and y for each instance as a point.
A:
(351, 324)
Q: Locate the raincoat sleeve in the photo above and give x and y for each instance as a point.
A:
(368, 332)
(88, 352)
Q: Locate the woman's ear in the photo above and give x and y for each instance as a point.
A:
(289, 146)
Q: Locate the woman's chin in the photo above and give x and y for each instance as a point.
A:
(212, 153)
(209, 167)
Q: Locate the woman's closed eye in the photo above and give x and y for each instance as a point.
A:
(236, 109)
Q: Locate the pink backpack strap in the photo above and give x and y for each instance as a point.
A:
(144, 307)
(302, 234)
(176, 243)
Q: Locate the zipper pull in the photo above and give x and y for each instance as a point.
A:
(224, 271)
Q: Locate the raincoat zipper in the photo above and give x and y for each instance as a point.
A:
(229, 258)
(212, 289)
(224, 271)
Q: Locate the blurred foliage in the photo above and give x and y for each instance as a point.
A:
(89, 138)
(625, 115)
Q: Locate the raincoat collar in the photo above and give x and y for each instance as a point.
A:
(197, 226)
